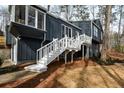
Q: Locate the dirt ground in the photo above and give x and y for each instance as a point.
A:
(79, 74)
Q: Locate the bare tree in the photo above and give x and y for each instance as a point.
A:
(79, 12)
(92, 10)
(5, 17)
(107, 19)
(48, 7)
(119, 26)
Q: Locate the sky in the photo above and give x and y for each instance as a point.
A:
(114, 28)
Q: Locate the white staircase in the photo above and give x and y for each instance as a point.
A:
(52, 50)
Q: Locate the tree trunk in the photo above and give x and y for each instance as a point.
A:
(67, 12)
(105, 46)
(119, 26)
(48, 7)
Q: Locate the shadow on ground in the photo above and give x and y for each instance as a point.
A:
(33, 82)
(13, 68)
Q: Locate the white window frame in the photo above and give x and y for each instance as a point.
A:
(65, 29)
(44, 19)
(36, 17)
(95, 31)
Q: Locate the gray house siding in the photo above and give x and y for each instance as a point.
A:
(98, 39)
(74, 29)
(85, 26)
(54, 29)
(27, 48)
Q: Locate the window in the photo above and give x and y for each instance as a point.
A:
(40, 20)
(95, 31)
(66, 31)
(31, 16)
(20, 14)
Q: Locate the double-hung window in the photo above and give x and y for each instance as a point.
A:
(40, 21)
(31, 16)
(20, 14)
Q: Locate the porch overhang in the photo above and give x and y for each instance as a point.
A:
(20, 30)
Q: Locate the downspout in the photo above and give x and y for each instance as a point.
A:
(43, 39)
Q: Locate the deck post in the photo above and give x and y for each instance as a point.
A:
(58, 58)
(66, 52)
(87, 54)
(65, 58)
(72, 53)
(82, 52)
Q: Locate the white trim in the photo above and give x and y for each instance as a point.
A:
(26, 15)
(91, 29)
(66, 33)
(11, 56)
(45, 21)
(95, 31)
(34, 16)
(36, 19)
(15, 51)
(44, 14)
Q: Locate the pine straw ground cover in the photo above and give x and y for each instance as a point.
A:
(79, 74)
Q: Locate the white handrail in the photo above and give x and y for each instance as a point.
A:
(56, 45)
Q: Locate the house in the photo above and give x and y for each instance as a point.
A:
(35, 34)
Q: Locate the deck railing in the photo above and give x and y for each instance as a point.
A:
(56, 47)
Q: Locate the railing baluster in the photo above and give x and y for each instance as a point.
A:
(62, 44)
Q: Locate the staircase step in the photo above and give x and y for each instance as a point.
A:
(36, 68)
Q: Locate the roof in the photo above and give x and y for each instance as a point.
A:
(95, 22)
